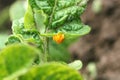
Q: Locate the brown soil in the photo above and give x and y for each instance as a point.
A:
(4, 3)
(102, 45)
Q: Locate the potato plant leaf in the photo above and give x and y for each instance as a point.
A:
(29, 19)
(74, 28)
(40, 20)
(77, 64)
(12, 39)
(51, 71)
(57, 14)
(15, 60)
(24, 35)
(17, 26)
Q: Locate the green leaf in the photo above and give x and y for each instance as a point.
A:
(15, 60)
(27, 35)
(17, 26)
(71, 30)
(31, 34)
(45, 5)
(19, 7)
(13, 39)
(74, 29)
(40, 20)
(57, 12)
(29, 21)
(65, 11)
(77, 64)
(51, 71)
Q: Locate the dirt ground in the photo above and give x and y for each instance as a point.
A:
(102, 45)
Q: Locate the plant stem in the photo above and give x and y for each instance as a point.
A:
(46, 39)
(47, 35)
(46, 48)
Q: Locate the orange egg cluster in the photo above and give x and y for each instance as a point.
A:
(58, 38)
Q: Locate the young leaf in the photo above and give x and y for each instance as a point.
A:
(27, 35)
(40, 20)
(15, 60)
(34, 17)
(71, 30)
(13, 39)
(29, 21)
(17, 26)
(77, 64)
(57, 13)
(32, 36)
(51, 71)
(74, 29)
(65, 11)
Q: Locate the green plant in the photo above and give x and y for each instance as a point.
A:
(27, 55)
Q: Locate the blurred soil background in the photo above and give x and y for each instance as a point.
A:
(4, 14)
(101, 46)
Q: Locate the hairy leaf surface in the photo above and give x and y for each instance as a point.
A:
(16, 60)
(52, 71)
